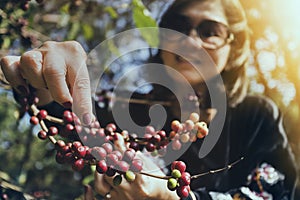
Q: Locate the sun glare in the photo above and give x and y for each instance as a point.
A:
(287, 16)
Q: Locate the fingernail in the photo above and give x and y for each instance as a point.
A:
(67, 105)
(87, 119)
(22, 90)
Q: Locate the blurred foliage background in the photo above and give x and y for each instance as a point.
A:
(28, 163)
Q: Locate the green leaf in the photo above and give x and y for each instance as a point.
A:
(111, 12)
(74, 31)
(6, 43)
(88, 31)
(142, 19)
(65, 8)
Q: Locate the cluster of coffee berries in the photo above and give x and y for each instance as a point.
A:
(101, 152)
(189, 131)
(122, 165)
(180, 179)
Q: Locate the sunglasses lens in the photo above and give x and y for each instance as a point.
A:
(213, 33)
(178, 23)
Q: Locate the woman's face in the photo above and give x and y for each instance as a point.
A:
(194, 55)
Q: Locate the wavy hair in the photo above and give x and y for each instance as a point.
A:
(234, 74)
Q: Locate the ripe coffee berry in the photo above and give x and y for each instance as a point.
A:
(101, 167)
(78, 165)
(34, 120)
(42, 114)
(180, 165)
(53, 131)
(42, 135)
(183, 191)
(136, 165)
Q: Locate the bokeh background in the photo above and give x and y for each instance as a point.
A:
(28, 165)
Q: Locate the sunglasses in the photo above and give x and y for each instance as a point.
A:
(214, 35)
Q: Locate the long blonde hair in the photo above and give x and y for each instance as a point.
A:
(234, 74)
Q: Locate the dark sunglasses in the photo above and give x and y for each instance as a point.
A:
(213, 34)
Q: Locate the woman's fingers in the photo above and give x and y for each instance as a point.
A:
(54, 73)
(102, 187)
(10, 67)
(31, 64)
(88, 193)
(81, 92)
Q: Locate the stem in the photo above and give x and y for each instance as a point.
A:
(42, 123)
(217, 170)
(55, 120)
(155, 176)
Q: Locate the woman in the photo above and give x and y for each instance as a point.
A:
(252, 128)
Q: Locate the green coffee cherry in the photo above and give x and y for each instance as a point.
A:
(172, 184)
(176, 173)
(129, 176)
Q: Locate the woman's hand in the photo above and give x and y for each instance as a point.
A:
(57, 70)
(142, 188)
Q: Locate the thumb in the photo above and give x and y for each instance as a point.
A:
(88, 193)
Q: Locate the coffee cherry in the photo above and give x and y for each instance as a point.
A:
(162, 134)
(99, 153)
(176, 145)
(76, 145)
(183, 191)
(78, 165)
(189, 125)
(112, 159)
(155, 139)
(185, 179)
(176, 173)
(108, 147)
(176, 126)
(172, 184)
(117, 180)
(81, 152)
(150, 147)
(136, 165)
(202, 129)
(42, 114)
(172, 135)
(130, 176)
(113, 126)
(122, 166)
(42, 135)
(150, 130)
(52, 131)
(184, 138)
(101, 167)
(67, 116)
(180, 165)
(194, 117)
(34, 120)
(129, 155)
(118, 154)
(134, 145)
